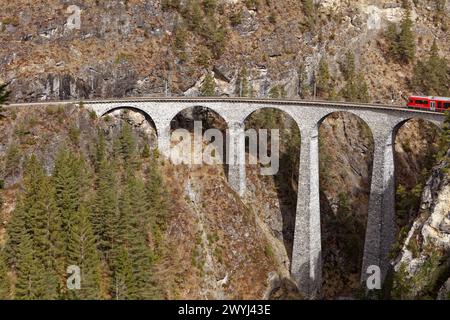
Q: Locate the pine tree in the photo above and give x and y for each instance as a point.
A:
(82, 252)
(392, 39)
(348, 68)
(363, 89)
(122, 282)
(127, 143)
(146, 151)
(100, 150)
(303, 84)
(323, 79)
(46, 232)
(23, 215)
(431, 77)
(356, 89)
(4, 95)
(4, 279)
(406, 43)
(156, 199)
(134, 224)
(192, 13)
(13, 157)
(70, 180)
(15, 230)
(310, 12)
(26, 272)
(105, 208)
(209, 6)
(242, 86)
(33, 280)
(208, 88)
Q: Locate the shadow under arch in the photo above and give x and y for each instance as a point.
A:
(134, 109)
(285, 180)
(416, 144)
(209, 118)
(346, 154)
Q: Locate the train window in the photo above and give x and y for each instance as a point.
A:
(439, 104)
(424, 102)
(447, 105)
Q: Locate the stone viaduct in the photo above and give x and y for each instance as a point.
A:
(306, 257)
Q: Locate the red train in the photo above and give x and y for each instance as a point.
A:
(429, 103)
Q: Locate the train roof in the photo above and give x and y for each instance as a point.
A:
(432, 98)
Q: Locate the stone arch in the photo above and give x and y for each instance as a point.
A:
(360, 114)
(285, 181)
(255, 108)
(198, 113)
(135, 109)
(344, 211)
(197, 108)
(151, 138)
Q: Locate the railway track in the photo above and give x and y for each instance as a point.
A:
(311, 103)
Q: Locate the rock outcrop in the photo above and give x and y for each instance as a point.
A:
(423, 266)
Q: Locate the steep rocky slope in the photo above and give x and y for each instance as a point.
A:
(135, 47)
(423, 265)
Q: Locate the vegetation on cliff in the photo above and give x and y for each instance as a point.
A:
(98, 214)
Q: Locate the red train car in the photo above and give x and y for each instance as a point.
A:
(429, 103)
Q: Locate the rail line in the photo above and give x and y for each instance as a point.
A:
(311, 103)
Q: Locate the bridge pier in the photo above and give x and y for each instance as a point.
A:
(380, 231)
(306, 266)
(163, 133)
(236, 157)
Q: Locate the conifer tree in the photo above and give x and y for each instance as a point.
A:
(127, 143)
(70, 181)
(4, 95)
(24, 216)
(392, 39)
(208, 88)
(105, 208)
(156, 199)
(310, 12)
(146, 151)
(303, 84)
(15, 231)
(82, 252)
(33, 280)
(323, 79)
(4, 279)
(26, 272)
(348, 68)
(122, 282)
(431, 77)
(242, 86)
(46, 231)
(406, 43)
(100, 150)
(134, 222)
(209, 6)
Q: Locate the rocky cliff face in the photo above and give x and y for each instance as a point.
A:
(222, 247)
(423, 266)
(133, 48)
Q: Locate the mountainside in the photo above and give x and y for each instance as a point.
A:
(423, 265)
(254, 47)
(203, 241)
